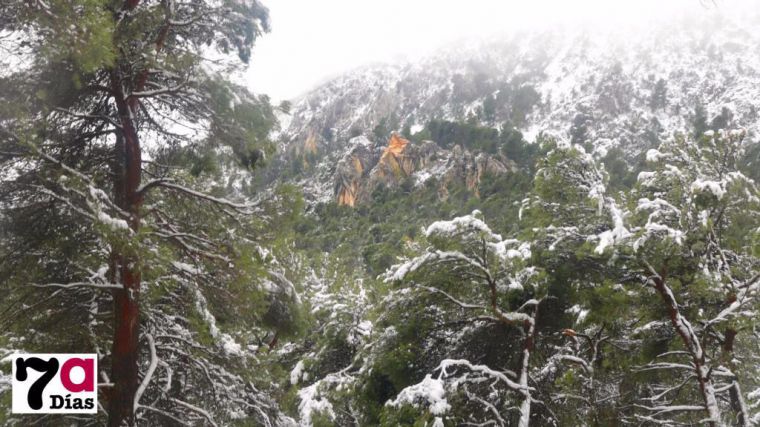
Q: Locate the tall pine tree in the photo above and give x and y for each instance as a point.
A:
(125, 154)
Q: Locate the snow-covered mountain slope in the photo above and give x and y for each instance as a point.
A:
(627, 90)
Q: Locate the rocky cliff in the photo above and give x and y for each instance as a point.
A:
(367, 167)
(605, 91)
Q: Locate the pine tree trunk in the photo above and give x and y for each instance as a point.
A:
(530, 330)
(124, 352)
(735, 392)
(125, 349)
(124, 368)
(693, 346)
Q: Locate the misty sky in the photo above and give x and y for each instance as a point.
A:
(314, 40)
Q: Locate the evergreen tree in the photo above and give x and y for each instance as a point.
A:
(484, 279)
(116, 136)
(722, 120)
(579, 128)
(469, 308)
(489, 109)
(692, 237)
(699, 121)
(659, 97)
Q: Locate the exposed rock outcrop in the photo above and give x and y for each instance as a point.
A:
(350, 170)
(366, 167)
(399, 160)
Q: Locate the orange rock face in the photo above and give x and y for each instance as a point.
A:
(348, 175)
(358, 167)
(396, 146)
(394, 162)
(363, 170)
(310, 145)
(347, 195)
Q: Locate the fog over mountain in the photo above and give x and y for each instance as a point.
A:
(326, 40)
(626, 90)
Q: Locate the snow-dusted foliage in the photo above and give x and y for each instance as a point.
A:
(429, 394)
(127, 225)
(570, 202)
(566, 234)
(325, 363)
(633, 306)
(689, 238)
(196, 367)
(483, 281)
(693, 236)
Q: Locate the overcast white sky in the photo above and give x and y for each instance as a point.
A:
(313, 40)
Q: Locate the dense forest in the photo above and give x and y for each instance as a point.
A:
(475, 243)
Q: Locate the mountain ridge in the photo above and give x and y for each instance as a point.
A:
(608, 93)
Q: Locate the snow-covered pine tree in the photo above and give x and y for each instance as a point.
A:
(125, 150)
(584, 329)
(326, 363)
(691, 238)
(473, 280)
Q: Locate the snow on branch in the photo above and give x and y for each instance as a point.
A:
(400, 271)
(143, 189)
(240, 207)
(468, 224)
(576, 360)
(502, 252)
(104, 118)
(746, 294)
(79, 285)
(312, 403)
(483, 370)
(451, 298)
(663, 366)
(97, 194)
(429, 392)
(149, 373)
(659, 410)
(163, 413)
(618, 233)
(157, 92)
(194, 408)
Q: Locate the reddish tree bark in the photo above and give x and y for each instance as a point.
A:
(125, 346)
(125, 267)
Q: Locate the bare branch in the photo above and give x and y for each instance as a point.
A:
(79, 285)
(196, 409)
(451, 298)
(207, 197)
(149, 373)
